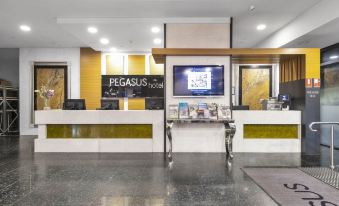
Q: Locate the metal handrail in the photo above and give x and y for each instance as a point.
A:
(332, 166)
(320, 123)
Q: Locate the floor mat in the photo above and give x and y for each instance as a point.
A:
(293, 187)
(324, 174)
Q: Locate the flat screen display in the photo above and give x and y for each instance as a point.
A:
(199, 80)
(283, 98)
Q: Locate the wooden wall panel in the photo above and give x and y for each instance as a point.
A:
(136, 64)
(292, 68)
(311, 55)
(90, 77)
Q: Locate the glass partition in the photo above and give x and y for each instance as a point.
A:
(329, 102)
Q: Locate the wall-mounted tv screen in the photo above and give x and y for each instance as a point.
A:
(199, 80)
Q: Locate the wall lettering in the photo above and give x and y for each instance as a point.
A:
(132, 86)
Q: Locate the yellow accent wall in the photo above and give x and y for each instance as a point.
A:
(136, 64)
(115, 66)
(136, 103)
(90, 77)
(313, 63)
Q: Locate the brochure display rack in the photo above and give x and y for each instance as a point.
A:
(201, 113)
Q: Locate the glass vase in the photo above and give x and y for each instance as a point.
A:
(46, 104)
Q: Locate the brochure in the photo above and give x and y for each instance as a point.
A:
(173, 111)
(183, 110)
(224, 112)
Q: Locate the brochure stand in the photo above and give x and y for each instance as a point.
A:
(229, 132)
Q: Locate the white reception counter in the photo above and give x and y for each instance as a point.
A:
(256, 131)
(267, 119)
(154, 143)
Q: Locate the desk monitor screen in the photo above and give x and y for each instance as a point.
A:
(109, 104)
(74, 104)
(154, 103)
(283, 97)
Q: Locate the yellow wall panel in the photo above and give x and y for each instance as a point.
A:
(313, 63)
(155, 69)
(90, 77)
(136, 64)
(121, 104)
(136, 103)
(114, 64)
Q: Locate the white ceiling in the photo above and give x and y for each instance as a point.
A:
(48, 31)
(323, 36)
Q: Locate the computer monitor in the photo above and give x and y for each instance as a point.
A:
(109, 104)
(154, 103)
(74, 104)
(284, 98)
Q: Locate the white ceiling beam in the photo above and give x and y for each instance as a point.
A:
(318, 15)
(141, 20)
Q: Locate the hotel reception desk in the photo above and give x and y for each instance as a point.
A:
(99, 131)
(143, 131)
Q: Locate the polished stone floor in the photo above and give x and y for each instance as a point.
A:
(133, 179)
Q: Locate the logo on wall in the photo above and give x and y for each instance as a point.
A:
(132, 86)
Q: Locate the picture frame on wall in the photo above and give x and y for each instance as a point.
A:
(51, 77)
(255, 83)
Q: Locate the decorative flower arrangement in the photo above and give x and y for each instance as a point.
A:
(46, 94)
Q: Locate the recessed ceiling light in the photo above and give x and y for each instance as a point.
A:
(155, 29)
(334, 57)
(92, 30)
(261, 27)
(104, 41)
(157, 41)
(252, 7)
(113, 49)
(25, 28)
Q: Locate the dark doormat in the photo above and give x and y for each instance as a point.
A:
(292, 187)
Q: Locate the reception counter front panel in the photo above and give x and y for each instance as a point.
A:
(100, 131)
(143, 131)
(271, 131)
(267, 131)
